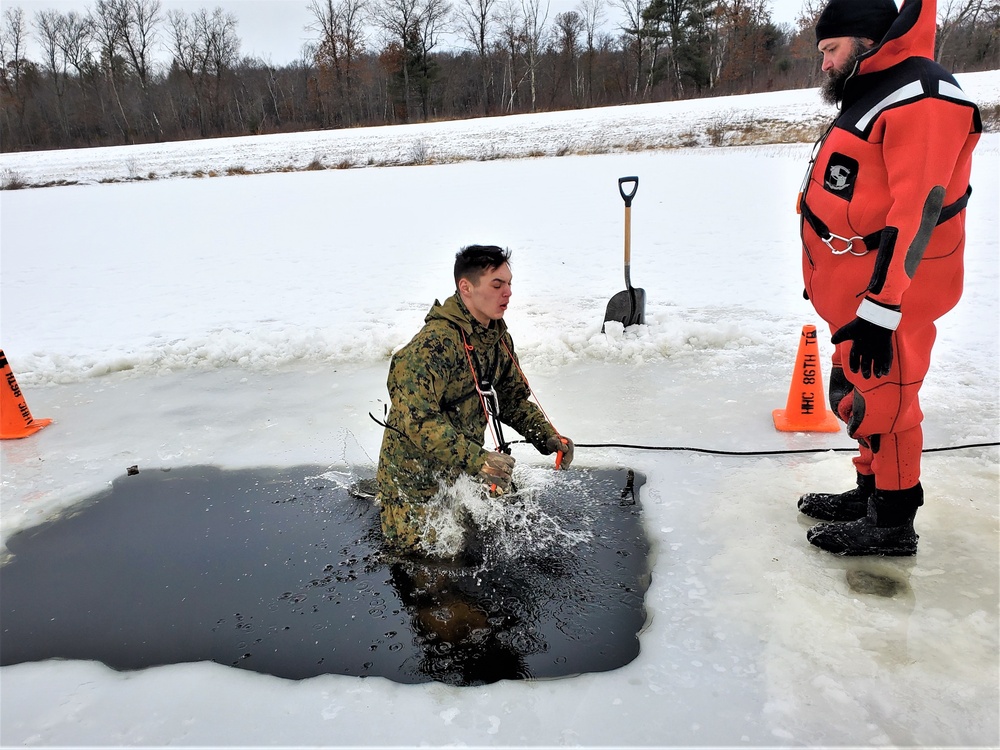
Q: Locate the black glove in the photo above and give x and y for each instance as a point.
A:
(563, 445)
(871, 351)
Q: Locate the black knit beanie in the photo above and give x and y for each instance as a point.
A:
(868, 19)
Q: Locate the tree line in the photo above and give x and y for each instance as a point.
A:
(125, 71)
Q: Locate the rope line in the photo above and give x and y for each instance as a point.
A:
(530, 390)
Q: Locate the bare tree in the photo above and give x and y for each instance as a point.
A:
(205, 47)
(399, 20)
(13, 36)
(183, 43)
(189, 57)
(47, 25)
(15, 68)
(592, 15)
(412, 28)
(140, 21)
(513, 41)
(434, 19)
(568, 29)
(108, 19)
(75, 36)
(49, 31)
(801, 48)
(221, 41)
(534, 37)
(223, 50)
(743, 35)
(954, 14)
(809, 13)
(340, 26)
(475, 19)
(632, 27)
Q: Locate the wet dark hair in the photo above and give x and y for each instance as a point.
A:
(473, 261)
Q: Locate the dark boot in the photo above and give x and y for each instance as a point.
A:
(887, 529)
(847, 506)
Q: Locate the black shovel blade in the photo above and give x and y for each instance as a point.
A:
(627, 307)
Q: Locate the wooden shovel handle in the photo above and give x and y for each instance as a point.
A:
(627, 196)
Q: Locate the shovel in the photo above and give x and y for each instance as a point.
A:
(627, 307)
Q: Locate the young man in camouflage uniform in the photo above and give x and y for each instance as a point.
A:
(437, 421)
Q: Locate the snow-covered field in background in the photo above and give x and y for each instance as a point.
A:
(248, 321)
(777, 117)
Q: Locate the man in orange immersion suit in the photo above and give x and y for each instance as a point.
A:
(883, 235)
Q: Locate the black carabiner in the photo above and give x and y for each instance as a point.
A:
(489, 396)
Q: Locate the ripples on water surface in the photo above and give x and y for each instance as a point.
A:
(281, 571)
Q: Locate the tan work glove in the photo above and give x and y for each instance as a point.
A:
(497, 470)
(558, 443)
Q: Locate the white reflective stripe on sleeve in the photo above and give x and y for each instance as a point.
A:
(951, 91)
(912, 90)
(880, 316)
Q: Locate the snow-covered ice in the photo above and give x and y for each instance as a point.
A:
(247, 321)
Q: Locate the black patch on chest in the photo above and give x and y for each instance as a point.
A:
(840, 176)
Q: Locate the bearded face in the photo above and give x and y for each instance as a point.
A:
(832, 89)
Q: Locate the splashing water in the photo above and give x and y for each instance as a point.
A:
(525, 522)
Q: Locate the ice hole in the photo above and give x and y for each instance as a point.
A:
(282, 571)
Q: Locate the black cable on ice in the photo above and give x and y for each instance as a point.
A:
(713, 452)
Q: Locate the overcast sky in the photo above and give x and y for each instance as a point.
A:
(274, 30)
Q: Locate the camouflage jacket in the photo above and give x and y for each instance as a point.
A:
(436, 424)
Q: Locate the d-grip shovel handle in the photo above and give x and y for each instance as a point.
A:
(627, 197)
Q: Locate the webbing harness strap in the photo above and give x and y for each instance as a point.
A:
(487, 399)
(870, 241)
(488, 395)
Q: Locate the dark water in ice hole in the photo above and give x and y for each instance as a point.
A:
(281, 571)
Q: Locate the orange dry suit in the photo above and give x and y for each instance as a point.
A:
(883, 231)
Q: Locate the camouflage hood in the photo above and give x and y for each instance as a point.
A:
(454, 312)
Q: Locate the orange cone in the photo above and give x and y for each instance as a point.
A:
(806, 409)
(15, 418)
